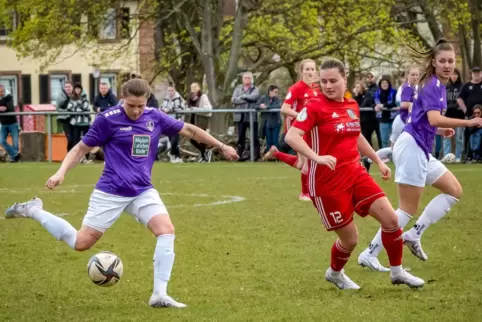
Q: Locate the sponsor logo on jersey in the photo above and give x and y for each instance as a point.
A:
(334, 115)
(302, 115)
(150, 125)
(289, 95)
(129, 128)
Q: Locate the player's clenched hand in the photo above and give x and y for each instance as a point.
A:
(327, 160)
(476, 122)
(385, 171)
(448, 133)
(230, 153)
(54, 181)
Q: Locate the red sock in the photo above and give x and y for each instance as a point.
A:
(304, 184)
(339, 256)
(286, 158)
(393, 242)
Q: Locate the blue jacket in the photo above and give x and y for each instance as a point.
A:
(388, 99)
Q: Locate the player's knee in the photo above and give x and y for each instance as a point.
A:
(83, 244)
(456, 190)
(390, 222)
(161, 225)
(350, 242)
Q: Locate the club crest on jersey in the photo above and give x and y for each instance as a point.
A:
(302, 115)
(352, 114)
(150, 125)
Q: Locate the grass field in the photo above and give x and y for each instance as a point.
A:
(246, 250)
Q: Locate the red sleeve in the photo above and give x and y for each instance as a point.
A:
(308, 117)
(292, 95)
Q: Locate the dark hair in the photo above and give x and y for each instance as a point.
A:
(477, 107)
(272, 88)
(424, 58)
(134, 76)
(171, 84)
(136, 87)
(330, 63)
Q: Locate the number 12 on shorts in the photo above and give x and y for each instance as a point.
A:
(337, 217)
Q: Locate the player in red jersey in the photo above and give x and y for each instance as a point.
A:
(339, 185)
(298, 94)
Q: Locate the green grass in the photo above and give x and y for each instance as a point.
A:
(261, 259)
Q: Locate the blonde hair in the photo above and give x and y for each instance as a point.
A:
(424, 58)
(136, 87)
(301, 66)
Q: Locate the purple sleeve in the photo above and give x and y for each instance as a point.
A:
(407, 94)
(98, 133)
(430, 97)
(169, 126)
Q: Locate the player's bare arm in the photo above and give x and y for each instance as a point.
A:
(294, 138)
(193, 132)
(287, 111)
(366, 150)
(438, 120)
(71, 160)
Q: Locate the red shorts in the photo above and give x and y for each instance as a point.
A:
(336, 211)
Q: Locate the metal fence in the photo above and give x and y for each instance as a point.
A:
(251, 112)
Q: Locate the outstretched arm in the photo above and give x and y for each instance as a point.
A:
(193, 132)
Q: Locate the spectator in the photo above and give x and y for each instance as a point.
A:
(470, 95)
(368, 119)
(8, 125)
(359, 93)
(198, 101)
(476, 135)
(63, 120)
(79, 103)
(172, 105)
(454, 88)
(271, 121)
(105, 99)
(245, 96)
(385, 99)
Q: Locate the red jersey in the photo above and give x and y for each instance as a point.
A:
(333, 129)
(298, 95)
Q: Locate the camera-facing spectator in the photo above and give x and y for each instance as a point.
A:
(245, 96)
(105, 99)
(63, 120)
(79, 103)
(198, 101)
(454, 88)
(8, 124)
(359, 93)
(172, 104)
(270, 121)
(470, 95)
(475, 138)
(385, 99)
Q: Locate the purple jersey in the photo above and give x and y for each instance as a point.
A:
(430, 97)
(408, 93)
(130, 148)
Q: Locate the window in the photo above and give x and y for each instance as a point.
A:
(109, 26)
(11, 85)
(111, 79)
(114, 25)
(7, 28)
(57, 82)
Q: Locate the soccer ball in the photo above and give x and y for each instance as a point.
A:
(105, 268)
(448, 158)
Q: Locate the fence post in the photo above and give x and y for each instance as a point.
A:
(251, 136)
(49, 135)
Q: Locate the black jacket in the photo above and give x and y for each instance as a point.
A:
(7, 101)
(453, 92)
(272, 119)
(369, 101)
(105, 102)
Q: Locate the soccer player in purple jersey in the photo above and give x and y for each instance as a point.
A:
(129, 134)
(415, 166)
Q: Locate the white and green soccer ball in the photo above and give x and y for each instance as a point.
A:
(449, 158)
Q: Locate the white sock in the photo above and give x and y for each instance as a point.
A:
(376, 245)
(435, 210)
(58, 227)
(163, 262)
(396, 270)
